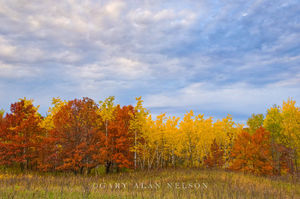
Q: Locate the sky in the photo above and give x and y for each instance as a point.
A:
(214, 57)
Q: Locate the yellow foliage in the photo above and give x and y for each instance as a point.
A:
(57, 103)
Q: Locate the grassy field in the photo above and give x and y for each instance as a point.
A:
(179, 183)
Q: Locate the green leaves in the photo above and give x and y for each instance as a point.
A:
(255, 122)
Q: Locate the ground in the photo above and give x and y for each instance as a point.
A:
(168, 183)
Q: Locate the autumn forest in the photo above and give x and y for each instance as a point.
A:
(81, 135)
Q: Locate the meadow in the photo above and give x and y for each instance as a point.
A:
(82, 149)
(165, 183)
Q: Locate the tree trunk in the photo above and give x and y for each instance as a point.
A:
(296, 162)
(134, 150)
(107, 167)
(22, 166)
(89, 171)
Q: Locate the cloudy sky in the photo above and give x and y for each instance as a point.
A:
(215, 57)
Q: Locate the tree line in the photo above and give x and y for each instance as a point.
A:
(80, 135)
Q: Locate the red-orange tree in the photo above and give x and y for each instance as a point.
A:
(20, 135)
(120, 139)
(252, 154)
(215, 158)
(75, 142)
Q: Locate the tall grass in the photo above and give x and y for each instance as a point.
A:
(169, 183)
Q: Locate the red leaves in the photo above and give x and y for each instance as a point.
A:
(19, 135)
(252, 154)
(120, 138)
(78, 140)
(74, 142)
(215, 158)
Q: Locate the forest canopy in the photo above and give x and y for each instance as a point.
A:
(81, 135)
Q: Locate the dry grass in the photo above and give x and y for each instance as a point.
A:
(191, 183)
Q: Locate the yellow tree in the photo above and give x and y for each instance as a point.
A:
(106, 112)
(225, 132)
(155, 141)
(273, 124)
(1, 113)
(189, 139)
(172, 137)
(203, 138)
(138, 127)
(146, 148)
(291, 127)
(159, 139)
(164, 140)
(47, 122)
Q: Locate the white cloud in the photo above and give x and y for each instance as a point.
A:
(110, 47)
(33, 54)
(12, 71)
(114, 8)
(240, 98)
(6, 49)
(65, 56)
(120, 68)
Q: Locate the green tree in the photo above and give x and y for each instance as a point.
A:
(254, 122)
(273, 124)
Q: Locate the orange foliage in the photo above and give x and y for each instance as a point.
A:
(215, 158)
(75, 142)
(20, 135)
(252, 154)
(120, 139)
